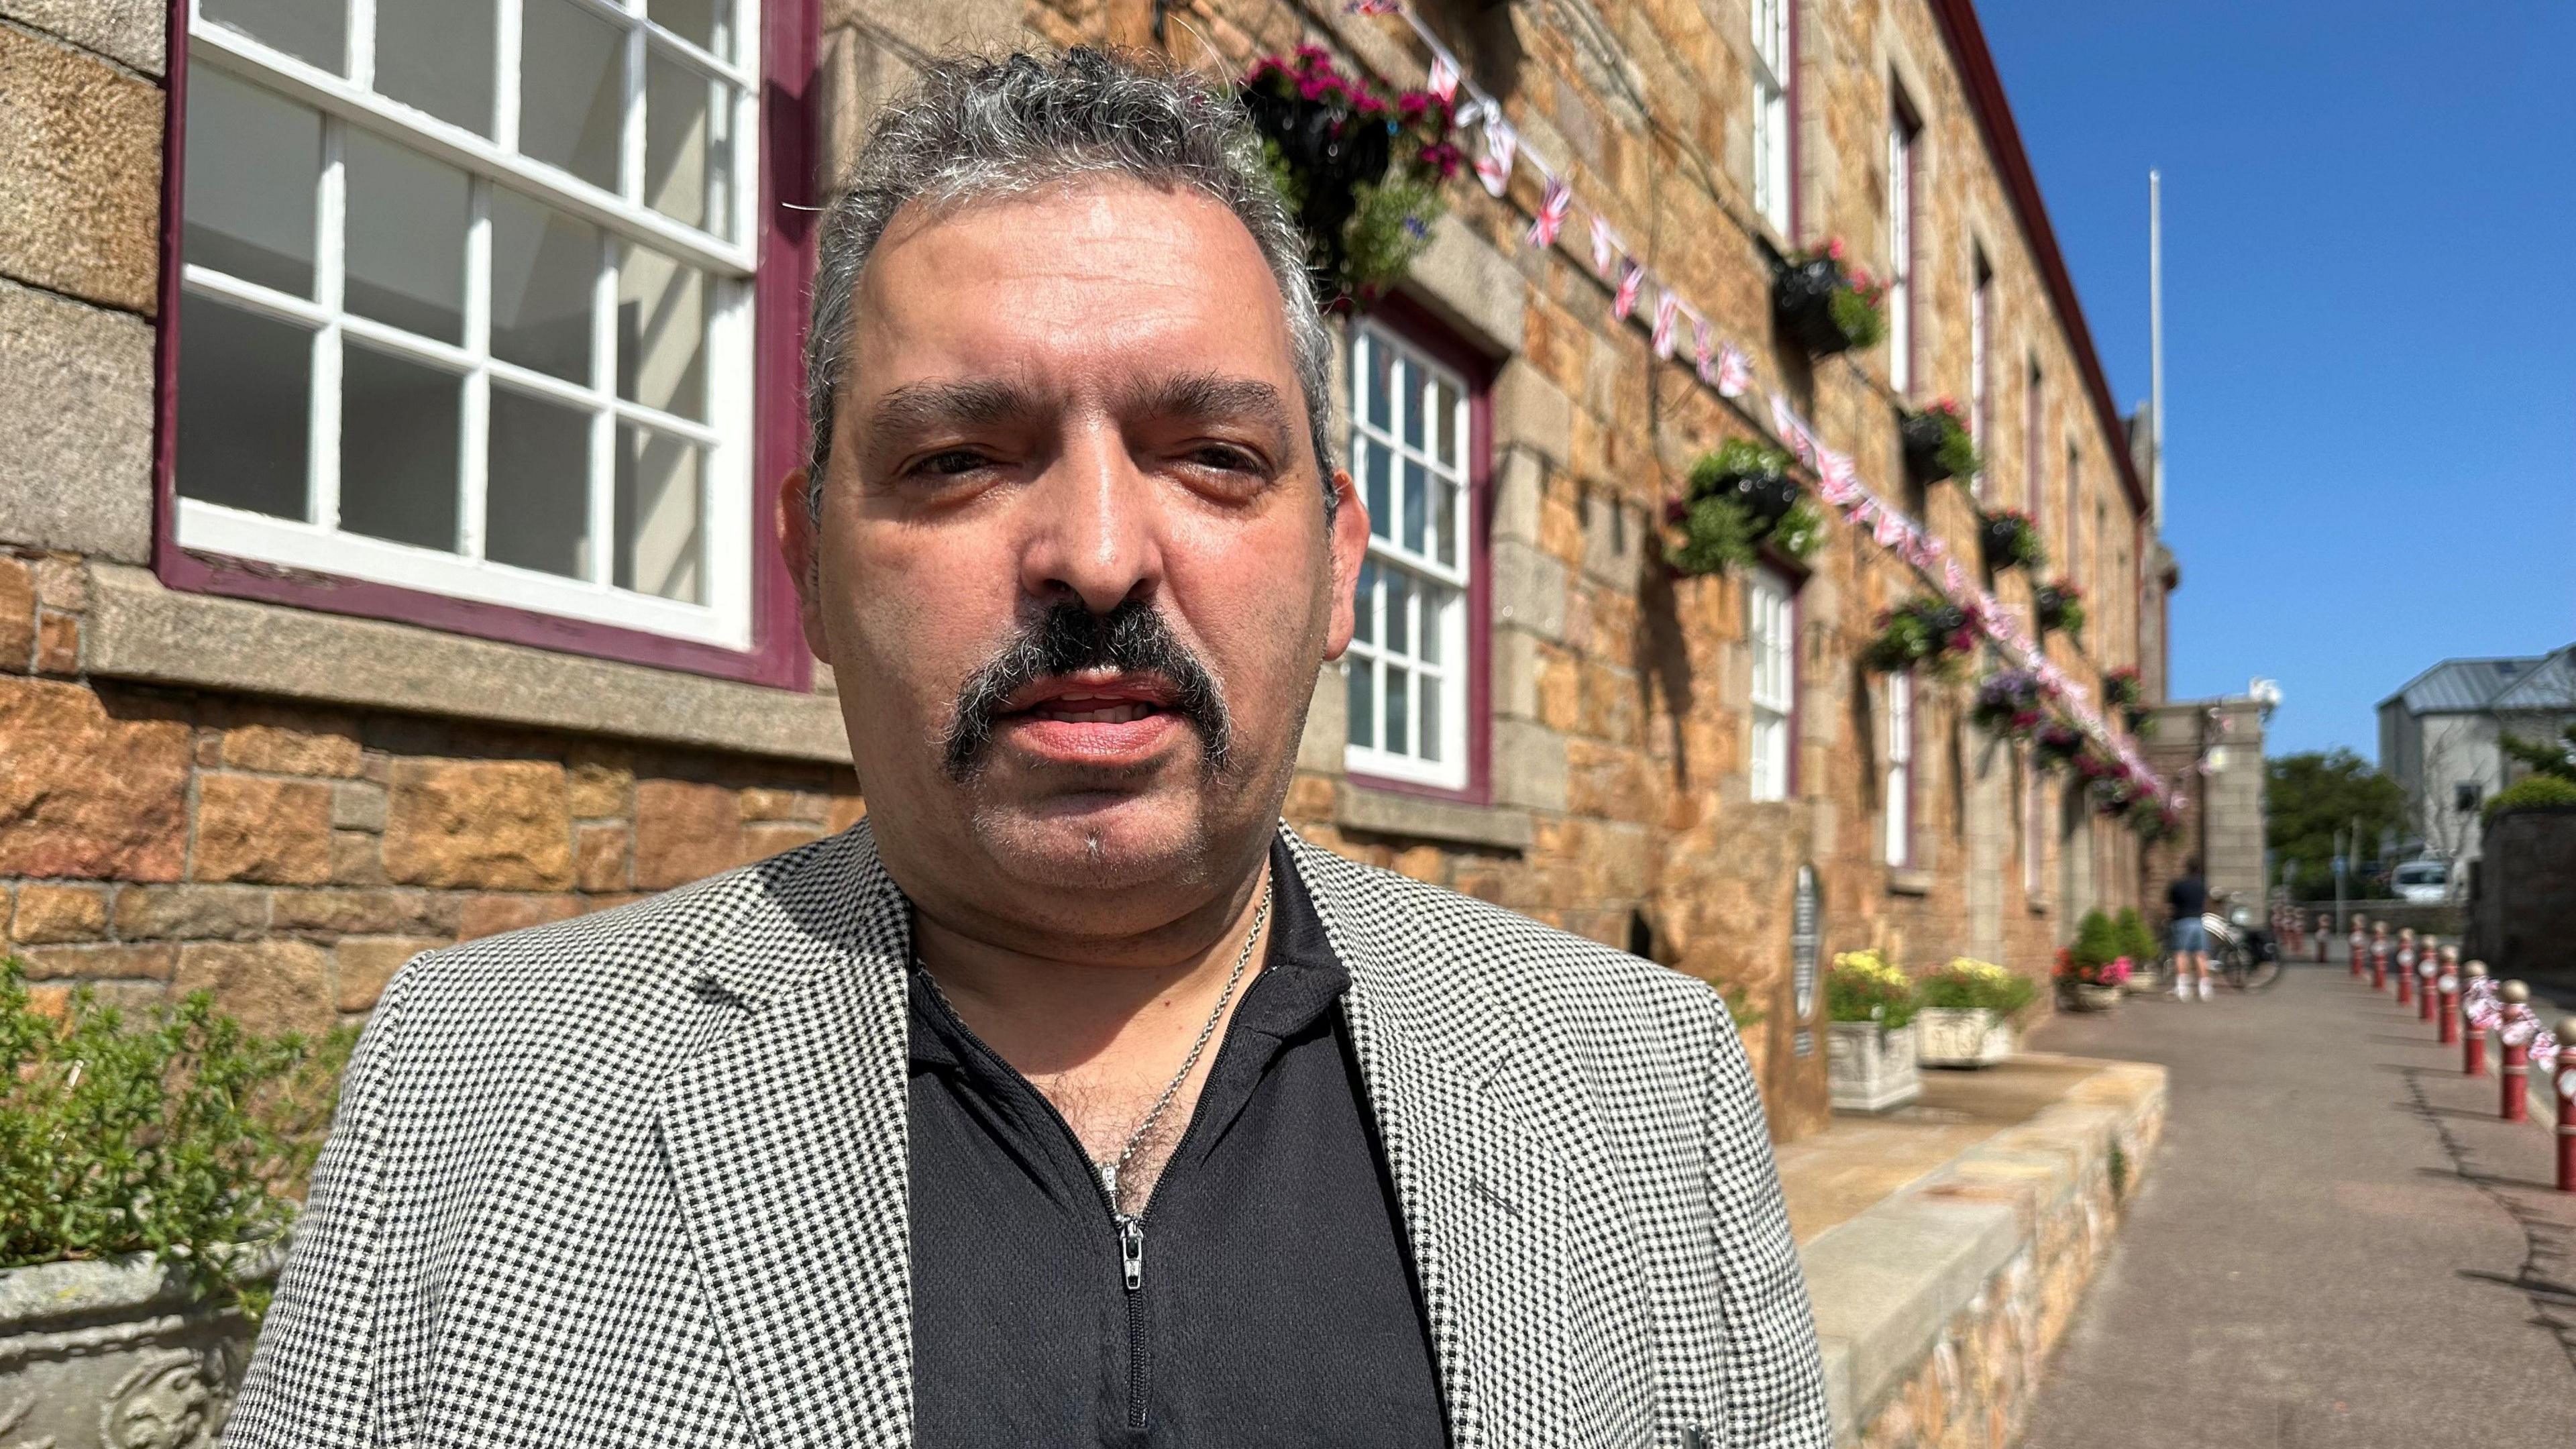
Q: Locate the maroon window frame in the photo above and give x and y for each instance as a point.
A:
(789, 46)
(1416, 324)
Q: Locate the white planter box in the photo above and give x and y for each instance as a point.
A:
(1963, 1036)
(1870, 1069)
(112, 1355)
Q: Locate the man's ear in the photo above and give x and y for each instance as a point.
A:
(796, 540)
(1349, 549)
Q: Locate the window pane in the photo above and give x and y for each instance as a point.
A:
(1431, 600)
(708, 23)
(1378, 471)
(253, 159)
(1399, 737)
(536, 511)
(1399, 613)
(1417, 492)
(1445, 521)
(398, 430)
(658, 515)
(1444, 406)
(311, 30)
(570, 90)
(543, 267)
(1430, 718)
(407, 220)
(661, 333)
(1364, 604)
(687, 155)
(437, 55)
(244, 385)
(1377, 385)
(1409, 396)
(1363, 702)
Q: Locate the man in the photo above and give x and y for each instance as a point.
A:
(2186, 899)
(1069, 1099)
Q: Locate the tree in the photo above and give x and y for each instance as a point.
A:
(2313, 795)
(2545, 757)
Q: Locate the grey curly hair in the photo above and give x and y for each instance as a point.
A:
(975, 128)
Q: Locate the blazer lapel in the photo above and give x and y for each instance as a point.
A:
(786, 1139)
(1483, 1198)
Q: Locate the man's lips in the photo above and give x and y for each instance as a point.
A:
(1093, 719)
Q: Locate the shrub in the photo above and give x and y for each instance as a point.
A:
(2533, 792)
(2096, 943)
(2137, 939)
(1967, 984)
(1740, 499)
(1863, 986)
(181, 1135)
(1923, 630)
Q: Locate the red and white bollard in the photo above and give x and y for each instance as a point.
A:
(2563, 1087)
(2513, 1032)
(2428, 966)
(2477, 1012)
(2447, 996)
(2406, 968)
(2379, 957)
(2360, 946)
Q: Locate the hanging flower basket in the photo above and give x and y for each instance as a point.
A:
(2010, 540)
(2160, 824)
(1741, 500)
(2140, 722)
(2122, 688)
(1360, 173)
(1923, 632)
(1937, 444)
(2008, 704)
(2057, 745)
(2060, 607)
(1827, 306)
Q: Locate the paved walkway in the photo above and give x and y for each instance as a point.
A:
(2338, 1242)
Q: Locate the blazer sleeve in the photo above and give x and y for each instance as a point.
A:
(1773, 1372)
(311, 1381)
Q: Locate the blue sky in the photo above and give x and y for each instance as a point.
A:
(2370, 319)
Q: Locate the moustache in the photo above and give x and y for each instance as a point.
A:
(1068, 639)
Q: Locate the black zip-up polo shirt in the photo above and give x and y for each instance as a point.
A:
(1275, 1302)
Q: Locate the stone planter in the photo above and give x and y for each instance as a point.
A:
(1965, 1036)
(111, 1355)
(1871, 1069)
(2086, 996)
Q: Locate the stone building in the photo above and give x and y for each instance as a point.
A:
(2214, 746)
(392, 403)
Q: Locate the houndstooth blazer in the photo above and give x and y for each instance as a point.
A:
(639, 1178)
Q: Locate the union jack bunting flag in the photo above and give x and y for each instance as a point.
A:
(1624, 301)
(1668, 311)
(1734, 371)
(1605, 246)
(1703, 351)
(1444, 78)
(1494, 168)
(1552, 207)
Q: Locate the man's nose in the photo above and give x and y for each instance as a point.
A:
(1093, 533)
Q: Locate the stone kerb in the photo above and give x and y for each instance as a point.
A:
(1937, 1308)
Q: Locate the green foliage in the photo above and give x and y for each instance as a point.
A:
(1721, 528)
(2545, 758)
(1967, 985)
(1388, 231)
(181, 1135)
(2097, 943)
(1921, 631)
(2311, 796)
(2118, 1165)
(1863, 986)
(1739, 1005)
(1958, 453)
(2137, 940)
(2533, 792)
(1859, 315)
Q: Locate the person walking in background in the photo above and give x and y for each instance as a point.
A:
(2188, 897)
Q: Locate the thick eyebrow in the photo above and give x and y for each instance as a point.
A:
(928, 407)
(1214, 397)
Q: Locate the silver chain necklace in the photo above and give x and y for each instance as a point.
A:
(1109, 1171)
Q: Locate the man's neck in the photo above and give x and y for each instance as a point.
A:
(1100, 1008)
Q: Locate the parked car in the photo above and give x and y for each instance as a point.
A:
(2422, 880)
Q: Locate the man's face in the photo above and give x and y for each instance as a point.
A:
(1073, 572)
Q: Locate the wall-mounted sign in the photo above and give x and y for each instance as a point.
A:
(1806, 937)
